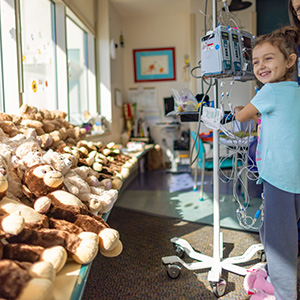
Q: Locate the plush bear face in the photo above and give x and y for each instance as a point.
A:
(42, 179)
(60, 162)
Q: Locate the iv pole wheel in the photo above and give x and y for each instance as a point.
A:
(219, 287)
(262, 256)
(173, 271)
(179, 250)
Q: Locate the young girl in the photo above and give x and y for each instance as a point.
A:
(294, 16)
(278, 157)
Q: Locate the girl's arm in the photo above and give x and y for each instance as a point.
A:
(243, 114)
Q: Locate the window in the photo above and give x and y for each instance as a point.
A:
(47, 59)
(77, 72)
(38, 53)
(9, 62)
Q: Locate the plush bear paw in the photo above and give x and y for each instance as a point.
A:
(42, 204)
(13, 224)
(108, 239)
(56, 255)
(88, 248)
(113, 252)
(42, 269)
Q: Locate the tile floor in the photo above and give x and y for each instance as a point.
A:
(163, 193)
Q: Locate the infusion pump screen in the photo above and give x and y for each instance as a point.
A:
(225, 35)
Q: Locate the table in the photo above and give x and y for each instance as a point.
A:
(70, 282)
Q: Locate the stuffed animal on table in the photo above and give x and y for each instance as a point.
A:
(59, 204)
(39, 230)
(10, 224)
(25, 281)
(21, 279)
(82, 182)
(27, 154)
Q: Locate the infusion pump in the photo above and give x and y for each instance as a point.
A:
(226, 52)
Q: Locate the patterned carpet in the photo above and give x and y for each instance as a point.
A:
(138, 272)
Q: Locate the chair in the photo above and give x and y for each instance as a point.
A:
(207, 164)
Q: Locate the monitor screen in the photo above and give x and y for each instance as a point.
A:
(169, 105)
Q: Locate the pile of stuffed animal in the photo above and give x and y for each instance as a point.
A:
(54, 188)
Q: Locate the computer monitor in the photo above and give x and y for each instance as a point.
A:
(168, 105)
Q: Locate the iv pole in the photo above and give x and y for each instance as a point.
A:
(216, 263)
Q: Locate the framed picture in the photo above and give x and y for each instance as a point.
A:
(156, 64)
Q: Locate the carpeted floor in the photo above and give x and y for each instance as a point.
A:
(138, 273)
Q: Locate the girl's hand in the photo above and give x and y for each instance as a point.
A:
(243, 114)
(238, 108)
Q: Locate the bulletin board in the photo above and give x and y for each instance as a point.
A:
(146, 98)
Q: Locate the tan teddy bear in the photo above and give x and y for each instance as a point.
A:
(27, 154)
(82, 182)
(58, 204)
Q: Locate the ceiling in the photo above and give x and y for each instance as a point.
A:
(134, 8)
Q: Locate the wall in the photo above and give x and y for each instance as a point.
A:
(117, 73)
(157, 31)
(181, 30)
(85, 10)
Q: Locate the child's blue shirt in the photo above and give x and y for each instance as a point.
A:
(278, 148)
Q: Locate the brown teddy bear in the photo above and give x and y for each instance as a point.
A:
(59, 204)
(56, 255)
(25, 281)
(83, 183)
(39, 230)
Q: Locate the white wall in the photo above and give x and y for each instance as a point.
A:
(117, 74)
(155, 31)
(85, 10)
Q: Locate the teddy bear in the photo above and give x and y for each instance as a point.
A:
(55, 255)
(25, 271)
(27, 154)
(39, 230)
(83, 183)
(73, 183)
(62, 205)
(10, 224)
(9, 128)
(25, 281)
(28, 112)
(20, 223)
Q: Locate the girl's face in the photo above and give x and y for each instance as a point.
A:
(296, 5)
(269, 64)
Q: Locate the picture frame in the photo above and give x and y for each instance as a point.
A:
(154, 64)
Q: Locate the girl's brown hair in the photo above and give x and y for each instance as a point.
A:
(286, 40)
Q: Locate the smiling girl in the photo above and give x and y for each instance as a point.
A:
(278, 159)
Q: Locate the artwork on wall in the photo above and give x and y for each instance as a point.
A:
(156, 64)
